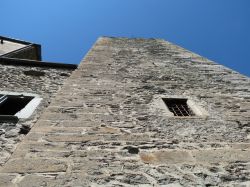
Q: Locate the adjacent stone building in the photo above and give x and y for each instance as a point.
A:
(22, 74)
(136, 112)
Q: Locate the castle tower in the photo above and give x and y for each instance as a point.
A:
(140, 112)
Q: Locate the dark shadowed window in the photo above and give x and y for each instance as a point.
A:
(178, 107)
(12, 104)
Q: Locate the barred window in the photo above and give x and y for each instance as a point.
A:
(178, 107)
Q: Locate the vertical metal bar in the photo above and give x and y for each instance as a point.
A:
(173, 110)
(3, 98)
(184, 108)
(179, 109)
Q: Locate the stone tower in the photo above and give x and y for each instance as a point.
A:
(139, 112)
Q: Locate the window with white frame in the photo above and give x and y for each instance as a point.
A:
(14, 106)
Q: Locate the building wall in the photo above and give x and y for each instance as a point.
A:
(43, 81)
(32, 52)
(108, 125)
(13, 48)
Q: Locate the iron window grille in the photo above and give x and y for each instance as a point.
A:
(178, 107)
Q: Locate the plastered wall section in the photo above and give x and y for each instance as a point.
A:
(107, 125)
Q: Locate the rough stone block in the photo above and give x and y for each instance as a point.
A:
(33, 165)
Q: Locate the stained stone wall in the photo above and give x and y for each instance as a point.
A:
(43, 81)
(108, 126)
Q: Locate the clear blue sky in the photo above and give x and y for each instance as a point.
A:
(216, 29)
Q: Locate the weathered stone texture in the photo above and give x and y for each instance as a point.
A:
(44, 81)
(106, 126)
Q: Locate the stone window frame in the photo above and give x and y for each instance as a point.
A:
(160, 106)
(28, 110)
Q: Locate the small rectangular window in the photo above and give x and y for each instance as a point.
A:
(178, 107)
(12, 104)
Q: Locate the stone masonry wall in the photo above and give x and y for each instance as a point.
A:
(107, 126)
(44, 81)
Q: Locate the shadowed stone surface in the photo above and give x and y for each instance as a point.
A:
(107, 125)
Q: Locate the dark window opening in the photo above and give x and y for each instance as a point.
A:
(178, 107)
(11, 104)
